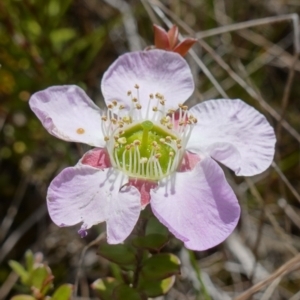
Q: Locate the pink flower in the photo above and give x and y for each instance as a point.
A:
(150, 147)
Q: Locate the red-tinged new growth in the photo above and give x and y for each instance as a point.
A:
(169, 40)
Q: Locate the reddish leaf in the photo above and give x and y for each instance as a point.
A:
(173, 36)
(184, 46)
(161, 40)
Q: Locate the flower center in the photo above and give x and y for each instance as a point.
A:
(146, 147)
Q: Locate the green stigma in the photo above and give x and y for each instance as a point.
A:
(146, 150)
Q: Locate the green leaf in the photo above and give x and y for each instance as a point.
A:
(152, 241)
(22, 297)
(64, 292)
(119, 254)
(42, 278)
(160, 266)
(104, 287)
(29, 260)
(19, 269)
(123, 292)
(156, 288)
(155, 227)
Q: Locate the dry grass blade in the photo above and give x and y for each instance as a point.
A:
(288, 267)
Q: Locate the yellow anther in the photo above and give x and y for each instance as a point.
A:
(110, 106)
(180, 105)
(121, 106)
(104, 118)
(128, 93)
(138, 106)
(170, 126)
(195, 120)
(159, 96)
(171, 111)
(162, 140)
(121, 132)
(179, 146)
(122, 140)
(162, 102)
(134, 99)
(136, 86)
(171, 154)
(151, 96)
(157, 155)
(137, 143)
(126, 119)
(114, 121)
(106, 138)
(115, 102)
(185, 107)
(127, 147)
(178, 141)
(116, 137)
(116, 145)
(154, 108)
(80, 131)
(154, 144)
(168, 138)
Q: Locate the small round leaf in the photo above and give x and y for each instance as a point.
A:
(119, 254)
(156, 288)
(64, 292)
(160, 266)
(123, 292)
(152, 241)
(104, 287)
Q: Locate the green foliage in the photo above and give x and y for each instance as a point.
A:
(157, 287)
(104, 287)
(151, 242)
(38, 278)
(63, 292)
(119, 254)
(123, 291)
(160, 266)
(138, 273)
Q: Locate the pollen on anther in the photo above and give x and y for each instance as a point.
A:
(151, 96)
(115, 102)
(136, 86)
(138, 106)
(110, 106)
(154, 108)
(106, 138)
(104, 118)
(121, 106)
(80, 131)
(171, 154)
(128, 93)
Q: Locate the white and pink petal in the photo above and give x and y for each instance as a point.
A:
(91, 196)
(69, 114)
(199, 207)
(233, 133)
(155, 71)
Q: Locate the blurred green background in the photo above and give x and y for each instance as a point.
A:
(52, 42)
